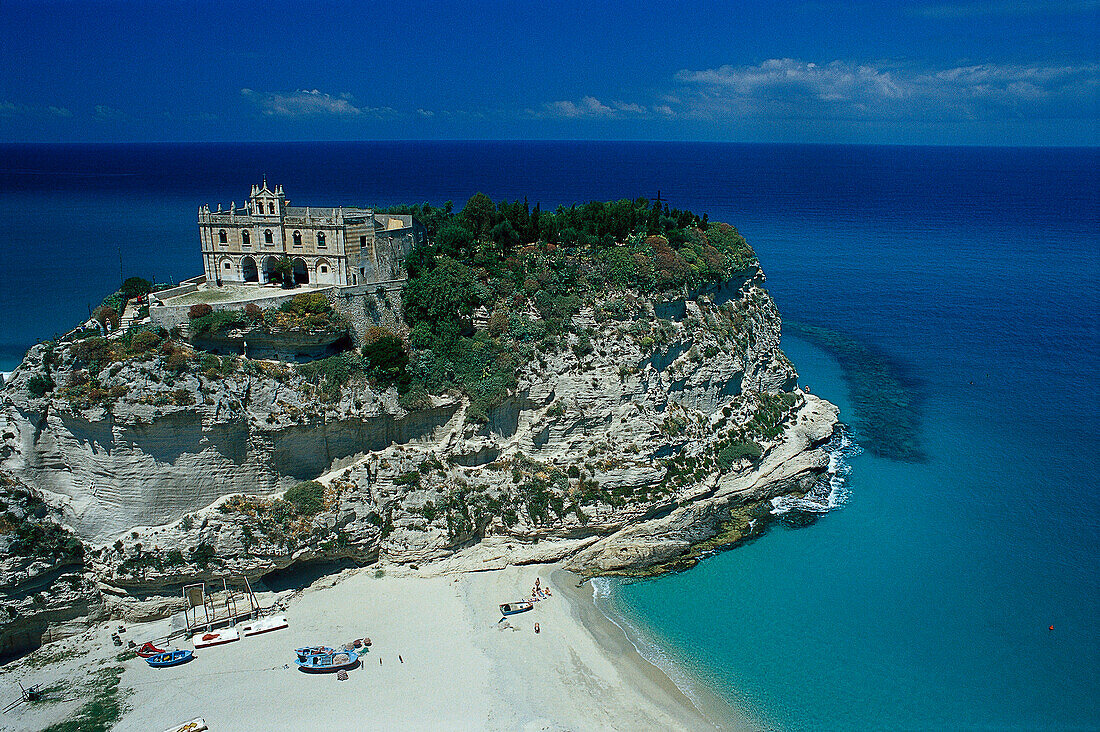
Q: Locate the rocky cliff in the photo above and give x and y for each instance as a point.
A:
(647, 431)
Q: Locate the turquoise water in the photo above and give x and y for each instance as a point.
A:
(923, 602)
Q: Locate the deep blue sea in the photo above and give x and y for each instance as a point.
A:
(922, 602)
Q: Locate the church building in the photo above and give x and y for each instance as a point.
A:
(327, 246)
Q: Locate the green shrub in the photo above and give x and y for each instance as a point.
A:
(199, 310)
(307, 498)
(387, 361)
(202, 555)
(738, 450)
(145, 340)
(39, 385)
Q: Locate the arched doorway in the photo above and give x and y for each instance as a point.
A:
(324, 272)
(301, 272)
(269, 270)
(248, 270)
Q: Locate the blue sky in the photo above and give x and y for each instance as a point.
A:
(944, 72)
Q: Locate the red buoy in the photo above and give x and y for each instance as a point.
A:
(1052, 627)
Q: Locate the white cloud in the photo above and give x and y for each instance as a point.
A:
(308, 103)
(794, 89)
(11, 109)
(591, 107)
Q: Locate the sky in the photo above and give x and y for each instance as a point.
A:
(944, 72)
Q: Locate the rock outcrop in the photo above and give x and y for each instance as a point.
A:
(624, 443)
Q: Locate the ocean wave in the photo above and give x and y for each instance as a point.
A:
(832, 490)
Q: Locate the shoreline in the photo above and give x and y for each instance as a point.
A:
(441, 658)
(699, 702)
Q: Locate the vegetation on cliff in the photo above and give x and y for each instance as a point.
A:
(532, 272)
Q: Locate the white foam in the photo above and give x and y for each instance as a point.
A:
(832, 490)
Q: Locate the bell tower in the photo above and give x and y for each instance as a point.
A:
(266, 203)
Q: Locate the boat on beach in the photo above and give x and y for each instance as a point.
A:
(514, 608)
(215, 637)
(148, 649)
(171, 658)
(327, 662)
(264, 625)
(307, 651)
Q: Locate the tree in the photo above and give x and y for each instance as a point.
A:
(505, 236)
(455, 241)
(442, 296)
(479, 213)
(135, 287)
(284, 270)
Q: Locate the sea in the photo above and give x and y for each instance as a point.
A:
(947, 299)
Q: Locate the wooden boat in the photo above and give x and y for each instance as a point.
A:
(513, 608)
(148, 649)
(215, 637)
(321, 663)
(264, 625)
(307, 651)
(198, 724)
(172, 658)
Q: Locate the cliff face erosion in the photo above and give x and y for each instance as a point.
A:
(649, 430)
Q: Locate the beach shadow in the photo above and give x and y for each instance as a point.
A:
(301, 575)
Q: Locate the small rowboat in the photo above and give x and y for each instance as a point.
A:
(198, 724)
(148, 649)
(264, 625)
(173, 658)
(215, 637)
(322, 663)
(304, 653)
(513, 608)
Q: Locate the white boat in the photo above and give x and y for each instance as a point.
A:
(264, 625)
(215, 637)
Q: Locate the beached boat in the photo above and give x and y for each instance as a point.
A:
(148, 649)
(264, 625)
(307, 651)
(512, 608)
(215, 637)
(172, 658)
(320, 663)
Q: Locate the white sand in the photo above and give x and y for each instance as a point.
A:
(459, 668)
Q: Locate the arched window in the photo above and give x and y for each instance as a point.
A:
(228, 264)
(270, 207)
(297, 238)
(323, 268)
(320, 238)
(223, 237)
(245, 239)
(268, 238)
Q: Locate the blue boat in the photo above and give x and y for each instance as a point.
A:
(307, 651)
(514, 608)
(323, 663)
(171, 658)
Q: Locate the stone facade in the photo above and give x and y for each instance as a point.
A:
(341, 246)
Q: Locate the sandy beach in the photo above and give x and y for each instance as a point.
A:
(441, 658)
